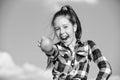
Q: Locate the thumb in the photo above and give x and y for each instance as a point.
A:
(42, 38)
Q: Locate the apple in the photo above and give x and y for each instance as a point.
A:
(46, 44)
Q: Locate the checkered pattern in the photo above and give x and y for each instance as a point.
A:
(67, 67)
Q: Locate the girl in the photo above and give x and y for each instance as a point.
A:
(70, 57)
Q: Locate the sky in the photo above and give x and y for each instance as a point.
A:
(24, 22)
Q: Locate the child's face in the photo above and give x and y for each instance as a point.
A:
(64, 29)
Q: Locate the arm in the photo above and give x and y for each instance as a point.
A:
(53, 53)
(104, 67)
(52, 56)
(51, 50)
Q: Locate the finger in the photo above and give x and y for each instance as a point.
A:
(39, 42)
(43, 38)
(39, 45)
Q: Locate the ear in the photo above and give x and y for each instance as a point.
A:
(75, 27)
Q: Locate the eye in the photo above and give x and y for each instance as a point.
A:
(65, 27)
(57, 28)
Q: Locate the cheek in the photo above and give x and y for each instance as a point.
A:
(57, 33)
(71, 32)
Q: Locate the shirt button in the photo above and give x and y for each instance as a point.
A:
(72, 64)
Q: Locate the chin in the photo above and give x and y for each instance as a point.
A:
(67, 43)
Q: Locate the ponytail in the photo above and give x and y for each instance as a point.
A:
(73, 18)
(68, 11)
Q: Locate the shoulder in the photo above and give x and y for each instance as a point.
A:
(59, 45)
(90, 43)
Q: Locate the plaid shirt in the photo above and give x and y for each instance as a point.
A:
(76, 67)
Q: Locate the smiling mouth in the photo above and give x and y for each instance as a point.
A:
(64, 38)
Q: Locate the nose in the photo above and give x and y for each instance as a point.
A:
(62, 31)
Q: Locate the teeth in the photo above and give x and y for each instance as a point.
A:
(64, 37)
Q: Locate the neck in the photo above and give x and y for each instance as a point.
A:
(72, 45)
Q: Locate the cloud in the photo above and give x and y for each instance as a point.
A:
(32, 71)
(113, 77)
(7, 65)
(87, 1)
(9, 70)
(6, 60)
(55, 4)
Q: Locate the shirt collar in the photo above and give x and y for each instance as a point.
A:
(77, 45)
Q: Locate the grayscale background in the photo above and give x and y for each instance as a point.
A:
(24, 22)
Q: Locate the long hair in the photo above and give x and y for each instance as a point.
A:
(67, 10)
(73, 18)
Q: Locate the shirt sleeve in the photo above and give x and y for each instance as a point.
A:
(52, 56)
(53, 53)
(104, 67)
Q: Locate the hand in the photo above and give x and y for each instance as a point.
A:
(46, 44)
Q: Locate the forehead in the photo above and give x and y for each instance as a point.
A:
(60, 20)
